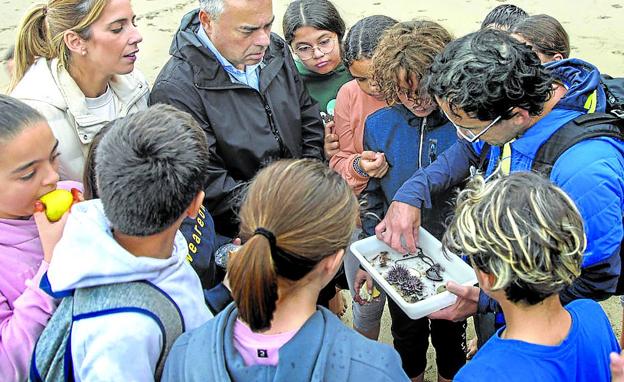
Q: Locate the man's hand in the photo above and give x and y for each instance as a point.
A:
(331, 145)
(464, 307)
(617, 366)
(401, 221)
(374, 164)
(362, 277)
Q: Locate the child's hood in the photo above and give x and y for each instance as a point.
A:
(88, 255)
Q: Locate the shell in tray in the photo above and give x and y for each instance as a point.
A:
(416, 282)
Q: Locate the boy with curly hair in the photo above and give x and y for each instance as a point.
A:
(524, 237)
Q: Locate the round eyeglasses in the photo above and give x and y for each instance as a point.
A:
(325, 46)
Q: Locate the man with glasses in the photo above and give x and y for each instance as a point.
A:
(498, 95)
(238, 80)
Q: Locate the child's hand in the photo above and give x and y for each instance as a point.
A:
(617, 367)
(332, 146)
(374, 164)
(49, 233)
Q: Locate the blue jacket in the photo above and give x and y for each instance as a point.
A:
(591, 172)
(324, 349)
(409, 143)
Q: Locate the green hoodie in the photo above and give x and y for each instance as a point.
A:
(323, 87)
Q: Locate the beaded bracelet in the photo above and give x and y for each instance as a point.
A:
(358, 169)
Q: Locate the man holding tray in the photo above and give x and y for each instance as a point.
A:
(506, 105)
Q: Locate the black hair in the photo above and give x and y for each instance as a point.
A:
(15, 115)
(488, 72)
(545, 34)
(319, 14)
(363, 38)
(504, 16)
(149, 167)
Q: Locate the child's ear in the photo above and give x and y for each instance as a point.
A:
(196, 204)
(334, 262)
(486, 280)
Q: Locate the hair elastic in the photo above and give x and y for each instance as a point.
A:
(288, 265)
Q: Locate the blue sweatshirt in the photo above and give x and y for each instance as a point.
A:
(591, 173)
(324, 349)
(409, 143)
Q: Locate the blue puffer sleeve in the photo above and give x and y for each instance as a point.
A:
(592, 174)
(450, 169)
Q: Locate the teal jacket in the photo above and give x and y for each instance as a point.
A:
(324, 349)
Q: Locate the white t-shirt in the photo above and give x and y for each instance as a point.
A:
(104, 106)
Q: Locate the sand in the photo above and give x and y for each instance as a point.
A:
(595, 30)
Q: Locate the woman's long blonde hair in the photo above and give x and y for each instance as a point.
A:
(42, 30)
(310, 210)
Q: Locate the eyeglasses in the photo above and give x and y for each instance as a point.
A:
(306, 52)
(470, 136)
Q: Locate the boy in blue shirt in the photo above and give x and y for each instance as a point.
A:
(524, 237)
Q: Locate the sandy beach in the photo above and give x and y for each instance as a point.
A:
(595, 28)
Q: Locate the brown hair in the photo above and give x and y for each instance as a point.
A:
(309, 209)
(42, 30)
(545, 35)
(410, 46)
(89, 181)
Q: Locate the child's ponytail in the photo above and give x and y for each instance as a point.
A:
(253, 282)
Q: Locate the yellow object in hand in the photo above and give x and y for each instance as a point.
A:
(57, 203)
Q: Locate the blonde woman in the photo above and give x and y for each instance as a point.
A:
(524, 237)
(296, 222)
(74, 63)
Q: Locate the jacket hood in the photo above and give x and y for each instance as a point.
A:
(88, 255)
(581, 79)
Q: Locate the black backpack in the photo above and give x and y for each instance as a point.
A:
(586, 126)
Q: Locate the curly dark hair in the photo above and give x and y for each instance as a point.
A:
(486, 73)
(410, 46)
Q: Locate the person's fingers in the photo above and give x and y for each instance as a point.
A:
(395, 242)
(39, 206)
(380, 229)
(328, 129)
(410, 240)
(617, 367)
(443, 314)
(236, 241)
(368, 155)
(369, 285)
(78, 197)
(458, 289)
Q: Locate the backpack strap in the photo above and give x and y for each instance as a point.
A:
(137, 297)
(586, 126)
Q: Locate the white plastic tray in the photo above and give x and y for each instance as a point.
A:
(454, 269)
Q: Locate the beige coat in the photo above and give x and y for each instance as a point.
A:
(53, 92)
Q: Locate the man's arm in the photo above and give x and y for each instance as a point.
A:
(221, 188)
(450, 169)
(312, 129)
(399, 228)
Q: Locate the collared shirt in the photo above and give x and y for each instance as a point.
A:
(250, 76)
